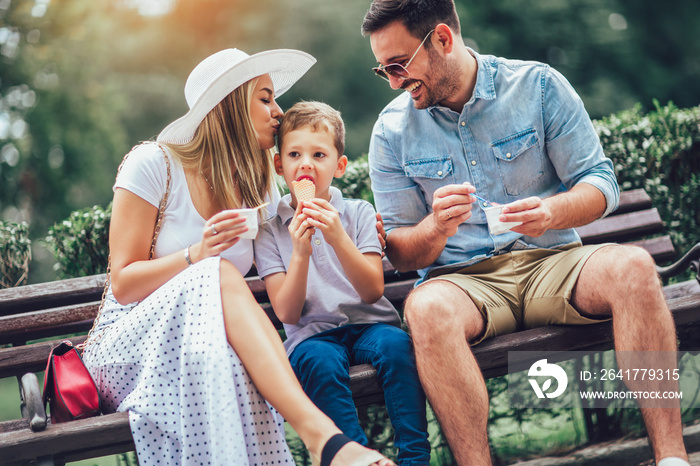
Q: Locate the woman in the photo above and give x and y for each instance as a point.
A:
(181, 342)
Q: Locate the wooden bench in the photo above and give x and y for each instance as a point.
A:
(49, 310)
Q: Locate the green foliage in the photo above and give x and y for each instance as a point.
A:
(127, 459)
(660, 152)
(15, 254)
(602, 46)
(63, 108)
(355, 183)
(80, 243)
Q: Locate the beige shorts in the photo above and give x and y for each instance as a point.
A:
(525, 288)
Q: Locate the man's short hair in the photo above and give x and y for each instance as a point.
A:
(318, 116)
(418, 16)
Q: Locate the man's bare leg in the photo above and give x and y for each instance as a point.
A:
(443, 319)
(622, 281)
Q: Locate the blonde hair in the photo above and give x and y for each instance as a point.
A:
(226, 142)
(318, 116)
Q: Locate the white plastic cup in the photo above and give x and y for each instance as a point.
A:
(251, 221)
(496, 227)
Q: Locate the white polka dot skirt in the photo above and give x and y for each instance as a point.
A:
(190, 400)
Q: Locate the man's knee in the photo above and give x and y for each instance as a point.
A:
(438, 308)
(627, 265)
(617, 274)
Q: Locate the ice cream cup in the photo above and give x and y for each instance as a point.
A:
(251, 221)
(496, 227)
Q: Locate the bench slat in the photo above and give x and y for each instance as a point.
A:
(49, 322)
(661, 248)
(620, 228)
(69, 437)
(51, 294)
(632, 200)
(18, 360)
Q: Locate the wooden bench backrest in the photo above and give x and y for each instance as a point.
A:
(57, 308)
(69, 306)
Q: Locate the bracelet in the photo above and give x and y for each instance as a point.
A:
(187, 255)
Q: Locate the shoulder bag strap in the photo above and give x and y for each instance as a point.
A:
(161, 212)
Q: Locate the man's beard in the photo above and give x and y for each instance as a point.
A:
(444, 82)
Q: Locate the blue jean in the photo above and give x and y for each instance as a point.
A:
(322, 364)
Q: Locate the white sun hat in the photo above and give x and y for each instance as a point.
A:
(218, 75)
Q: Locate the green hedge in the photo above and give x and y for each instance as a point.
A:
(658, 151)
(15, 254)
(80, 243)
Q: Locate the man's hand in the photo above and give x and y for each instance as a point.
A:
(533, 212)
(452, 206)
(381, 233)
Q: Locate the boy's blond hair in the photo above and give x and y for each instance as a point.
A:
(318, 116)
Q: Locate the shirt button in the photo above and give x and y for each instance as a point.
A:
(473, 162)
(464, 123)
(440, 173)
(318, 242)
(508, 155)
(485, 204)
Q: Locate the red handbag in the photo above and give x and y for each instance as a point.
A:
(68, 386)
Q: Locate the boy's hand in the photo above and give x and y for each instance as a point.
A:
(301, 232)
(322, 215)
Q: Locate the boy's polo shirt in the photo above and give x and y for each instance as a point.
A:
(331, 300)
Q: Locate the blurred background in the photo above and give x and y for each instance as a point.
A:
(82, 81)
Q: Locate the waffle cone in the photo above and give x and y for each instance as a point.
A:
(304, 190)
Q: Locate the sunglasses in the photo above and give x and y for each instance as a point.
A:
(396, 70)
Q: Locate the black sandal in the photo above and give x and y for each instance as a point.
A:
(338, 441)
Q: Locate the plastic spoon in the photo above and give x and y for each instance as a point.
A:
(482, 199)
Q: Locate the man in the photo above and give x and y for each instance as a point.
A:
(515, 133)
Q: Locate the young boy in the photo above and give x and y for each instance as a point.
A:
(321, 262)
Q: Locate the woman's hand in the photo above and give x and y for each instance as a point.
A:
(220, 232)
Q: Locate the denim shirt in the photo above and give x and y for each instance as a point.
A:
(524, 132)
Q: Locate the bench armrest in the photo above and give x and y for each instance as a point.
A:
(33, 408)
(690, 259)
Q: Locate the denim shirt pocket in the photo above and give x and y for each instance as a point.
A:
(430, 173)
(519, 161)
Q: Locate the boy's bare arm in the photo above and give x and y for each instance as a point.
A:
(364, 271)
(287, 291)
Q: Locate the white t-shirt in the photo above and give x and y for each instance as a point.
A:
(144, 173)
